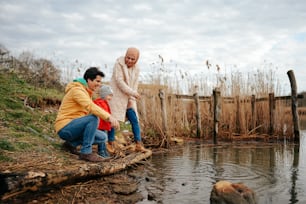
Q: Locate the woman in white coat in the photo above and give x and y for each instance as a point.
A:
(124, 83)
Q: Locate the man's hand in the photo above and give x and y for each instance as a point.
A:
(114, 122)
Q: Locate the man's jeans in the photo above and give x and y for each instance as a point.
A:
(83, 131)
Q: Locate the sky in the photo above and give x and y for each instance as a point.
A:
(235, 35)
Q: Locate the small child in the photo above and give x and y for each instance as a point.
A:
(106, 94)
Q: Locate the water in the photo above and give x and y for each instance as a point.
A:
(276, 172)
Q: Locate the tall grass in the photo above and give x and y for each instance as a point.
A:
(240, 86)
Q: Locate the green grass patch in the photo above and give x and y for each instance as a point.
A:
(22, 115)
(49, 118)
(10, 103)
(19, 128)
(23, 146)
(126, 126)
(6, 145)
(17, 134)
(4, 158)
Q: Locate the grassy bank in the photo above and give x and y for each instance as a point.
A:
(27, 114)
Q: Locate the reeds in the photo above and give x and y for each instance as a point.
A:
(267, 119)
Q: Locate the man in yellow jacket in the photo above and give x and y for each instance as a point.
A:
(78, 116)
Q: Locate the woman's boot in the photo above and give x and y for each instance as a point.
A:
(140, 148)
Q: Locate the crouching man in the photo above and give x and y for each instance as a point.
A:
(78, 116)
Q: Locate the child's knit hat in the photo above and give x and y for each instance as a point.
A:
(105, 90)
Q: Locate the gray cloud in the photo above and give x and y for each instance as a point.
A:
(229, 33)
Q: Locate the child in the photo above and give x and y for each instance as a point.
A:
(106, 94)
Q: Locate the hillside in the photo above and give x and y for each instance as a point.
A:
(26, 121)
(28, 140)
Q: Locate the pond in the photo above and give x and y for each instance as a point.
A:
(276, 172)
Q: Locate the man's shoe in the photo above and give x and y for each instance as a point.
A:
(92, 157)
(69, 148)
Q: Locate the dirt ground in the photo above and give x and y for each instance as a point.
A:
(121, 187)
(118, 188)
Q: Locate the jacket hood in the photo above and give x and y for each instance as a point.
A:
(121, 61)
(81, 80)
(76, 83)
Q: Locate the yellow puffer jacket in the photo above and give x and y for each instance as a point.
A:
(77, 103)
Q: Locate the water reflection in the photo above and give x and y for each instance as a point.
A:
(294, 174)
(188, 174)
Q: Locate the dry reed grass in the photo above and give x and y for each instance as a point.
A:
(237, 120)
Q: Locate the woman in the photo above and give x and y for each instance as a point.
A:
(124, 83)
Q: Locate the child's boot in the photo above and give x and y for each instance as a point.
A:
(110, 147)
(102, 151)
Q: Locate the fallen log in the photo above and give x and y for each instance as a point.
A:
(14, 183)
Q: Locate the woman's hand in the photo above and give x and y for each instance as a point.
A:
(114, 122)
(137, 96)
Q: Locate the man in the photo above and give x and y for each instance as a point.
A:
(78, 116)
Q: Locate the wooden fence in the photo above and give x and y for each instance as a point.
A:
(220, 118)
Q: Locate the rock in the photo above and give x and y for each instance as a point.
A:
(224, 192)
(177, 140)
(125, 188)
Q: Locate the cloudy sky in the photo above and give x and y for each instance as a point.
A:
(232, 34)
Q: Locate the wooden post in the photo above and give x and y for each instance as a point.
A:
(217, 112)
(294, 104)
(198, 114)
(237, 114)
(271, 113)
(164, 114)
(253, 100)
